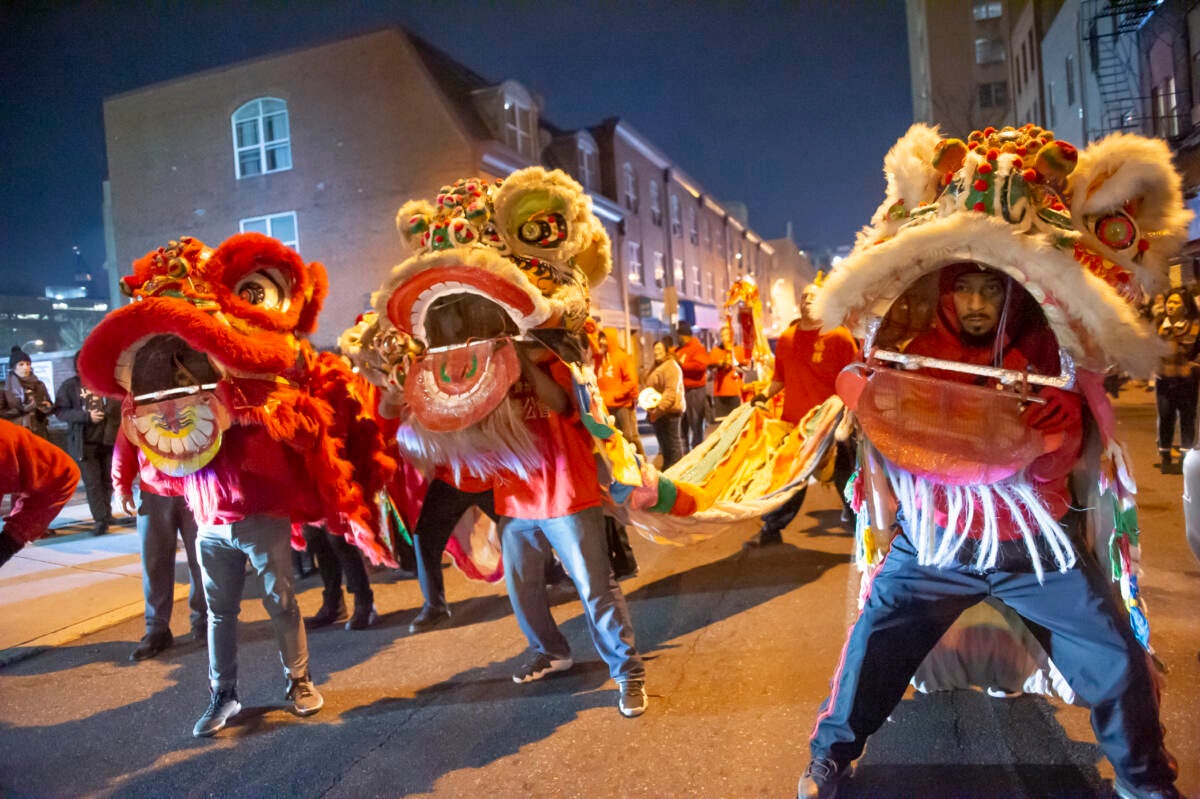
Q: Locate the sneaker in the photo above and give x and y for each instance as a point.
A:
(633, 699)
(326, 616)
(626, 575)
(152, 644)
(539, 666)
(996, 692)
(100, 528)
(765, 538)
(364, 616)
(820, 780)
(305, 697)
(223, 706)
(429, 618)
(1127, 791)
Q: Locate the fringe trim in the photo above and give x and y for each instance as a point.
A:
(499, 443)
(917, 497)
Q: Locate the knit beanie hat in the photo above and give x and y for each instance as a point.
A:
(17, 356)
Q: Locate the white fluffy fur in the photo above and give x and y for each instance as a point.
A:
(481, 257)
(1090, 321)
(910, 173)
(1123, 167)
(584, 231)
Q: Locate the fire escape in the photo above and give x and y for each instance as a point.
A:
(1110, 32)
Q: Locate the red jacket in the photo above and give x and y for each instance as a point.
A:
(41, 478)
(693, 360)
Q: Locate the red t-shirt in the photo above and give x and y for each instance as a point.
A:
(566, 480)
(807, 362)
(467, 481)
(727, 380)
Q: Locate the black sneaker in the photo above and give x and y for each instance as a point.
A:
(633, 699)
(100, 528)
(364, 616)
(820, 780)
(152, 644)
(539, 665)
(765, 538)
(305, 697)
(198, 635)
(429, 618)
(326, 616)
(222, 706)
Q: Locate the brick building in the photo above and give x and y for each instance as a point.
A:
(320, 146)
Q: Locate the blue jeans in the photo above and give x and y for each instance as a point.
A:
(159, 520)
(1074, 615)
(264, 541)
(582, 547)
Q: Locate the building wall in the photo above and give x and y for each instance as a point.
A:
(947, 76)
(1025, 66)
(1062, 50)
(172, 170)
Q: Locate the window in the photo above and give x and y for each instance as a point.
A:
(520, 122)
(634, 262)
(631, 195)
(693, 227)
(993, 95)
(676, 225)
(655, 204)
(261, 138)
(277, 226)
(695, 280)
(1070, 65)
(587, 164)
(1165, 109)
(987, 9)
(989, 51)
(678, 275)
(660, 270)
(708, 286)
(708, 236)
(1050, 111)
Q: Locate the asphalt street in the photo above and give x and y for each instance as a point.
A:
(740, 646)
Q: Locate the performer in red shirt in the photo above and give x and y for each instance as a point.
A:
(727, 377)
(555, 508)
(807, 363)
(41, 478)
(693, 360)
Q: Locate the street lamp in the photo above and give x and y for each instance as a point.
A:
(36, 342)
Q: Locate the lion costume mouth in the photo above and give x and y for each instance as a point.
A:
(175, 415)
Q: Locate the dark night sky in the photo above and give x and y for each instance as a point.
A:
(788, 107)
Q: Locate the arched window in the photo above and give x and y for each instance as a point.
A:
(261, 137)
(519, 119)
(655, 204)
(676, 226)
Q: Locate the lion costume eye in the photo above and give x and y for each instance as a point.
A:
(544, 230)
(1116, 230)
(267, 289)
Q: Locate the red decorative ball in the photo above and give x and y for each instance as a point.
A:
(981, 185)
(979, 207)
(1143, 245)
(1030, 175)
(993, 154)
(985, 169)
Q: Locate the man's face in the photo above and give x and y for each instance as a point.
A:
(807, 315)
(978, 297)
(660, 352)
(23, 368)
(1174, 306)
(602, 345)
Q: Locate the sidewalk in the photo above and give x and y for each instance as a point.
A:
(70, 584)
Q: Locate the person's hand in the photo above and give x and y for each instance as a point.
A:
(96, 415)
(127, 505)
(759, 399)
(1059, 412)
